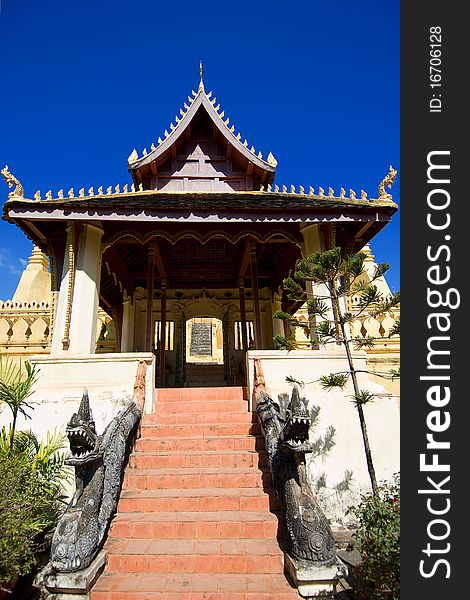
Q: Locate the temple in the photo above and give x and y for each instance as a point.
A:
(189, 259)
(161, 292)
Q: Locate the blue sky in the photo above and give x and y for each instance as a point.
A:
(83, 83)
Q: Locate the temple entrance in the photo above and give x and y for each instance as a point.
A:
(204, 341)
(204, 352)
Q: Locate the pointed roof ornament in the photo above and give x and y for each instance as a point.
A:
(201, 83)
(271, 160)
(133, 156)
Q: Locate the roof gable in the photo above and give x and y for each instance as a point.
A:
(259, 170)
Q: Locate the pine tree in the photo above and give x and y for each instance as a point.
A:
(330, 316)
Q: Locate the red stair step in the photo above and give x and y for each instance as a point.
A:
(198, 407)
(200, 418)
(219, 429)
(200, 556)
(195, 525)
(151, 479)
(199, 394)
(195, 444)
(198, 499)
(208, 458)
(226, 586)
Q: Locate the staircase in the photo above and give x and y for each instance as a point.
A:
(194, 519)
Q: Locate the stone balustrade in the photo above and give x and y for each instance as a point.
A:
(25, 327)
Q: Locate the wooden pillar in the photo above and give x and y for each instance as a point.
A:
(149, 327)
(256, 306)
(162, 332)
(241, 295)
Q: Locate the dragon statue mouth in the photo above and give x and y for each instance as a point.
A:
(83, 445)
(295, 434)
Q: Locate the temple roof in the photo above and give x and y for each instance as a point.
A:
(202, 101)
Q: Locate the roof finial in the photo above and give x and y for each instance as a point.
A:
(201, 83)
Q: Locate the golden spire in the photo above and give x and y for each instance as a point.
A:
(201, 83)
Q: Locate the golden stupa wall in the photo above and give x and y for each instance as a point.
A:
(27, 319)
(384, 356)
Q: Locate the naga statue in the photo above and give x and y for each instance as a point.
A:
(99, 462)
(18, 192)
(307, 533)
(387, 181)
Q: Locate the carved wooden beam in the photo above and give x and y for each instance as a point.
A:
(358, 235)
(159, 260)
(245, 261)
(117, 266)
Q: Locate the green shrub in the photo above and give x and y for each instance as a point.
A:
(378, 537)
(31, 500)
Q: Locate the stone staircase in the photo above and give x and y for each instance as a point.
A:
(195, 516)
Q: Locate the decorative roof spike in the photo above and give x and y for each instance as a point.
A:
(186, 106)
(239, 136)
(222, 114)
(37, 195)
(260, 155)
(209, 94)
(182, 113)
(321, 192)
(352, 194)
(49, 195)
(232, 129)
(269, 187)
(245, 143)
(60, 194)
(117, 189)
(301, 190)
(71, 193)
(387, 181)
(331, 193)
(152, 147)
(109, 190)
(144, 152)
(284, 189)
(166, 133)
(100, 190)
(201, 83)
(276, 188)
(193, 93)
(177, 119)
(132, 187)
(342, 193)
(190, 100)
(271, 160)
(226, 122)
(213, 101)
(261, 188)
(91, 191)
(172, 127)
(133, 156)
(125, 189)
(217, 107)
(160, 141)
(141, 187)
(363, 195)
(311, 191)
(292, 189)
(252, 149)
